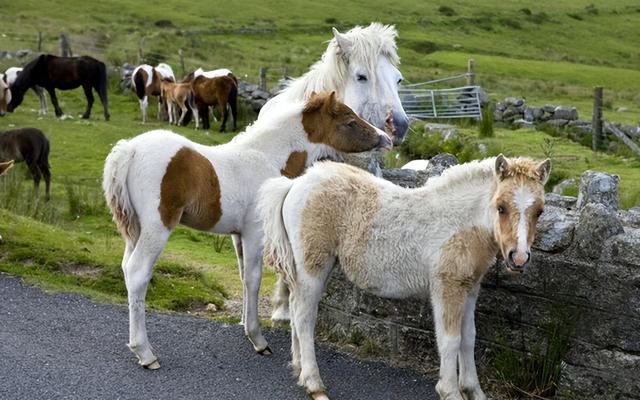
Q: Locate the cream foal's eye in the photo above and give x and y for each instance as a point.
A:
(501, 210)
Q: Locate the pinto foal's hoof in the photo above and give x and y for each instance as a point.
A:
(154, 365)
(265, 352)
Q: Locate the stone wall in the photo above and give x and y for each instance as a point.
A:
(585, 271)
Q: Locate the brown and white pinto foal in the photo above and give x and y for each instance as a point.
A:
(145, 81)
(158, 180)
(436, 241)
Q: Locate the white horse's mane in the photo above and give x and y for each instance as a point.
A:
(366, 45)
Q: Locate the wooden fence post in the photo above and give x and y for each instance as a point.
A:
(39, 41)
(471, 72)
(65, 47)
(596, 120)
(181, 55)
(140, 52)
(262, 82)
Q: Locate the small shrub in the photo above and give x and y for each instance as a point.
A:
(423, 46)
(526, 11)
(510, 23)
(219, 242)
(591, 9)
(163, 23)
(575, 16)
(356, 337)
(331, 20)
(446, 11)
(485, 127)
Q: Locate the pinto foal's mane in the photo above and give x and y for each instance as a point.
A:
(330, 72)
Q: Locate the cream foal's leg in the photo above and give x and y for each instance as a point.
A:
(468, 379)
(280, 302)
(305, 299)
(138, 271)
(236, 239)
(447, 317)
(252, 275)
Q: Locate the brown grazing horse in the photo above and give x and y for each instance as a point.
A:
(219, 92)
(64, 73)
(31, 146)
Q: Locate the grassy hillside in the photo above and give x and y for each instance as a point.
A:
(549, 51)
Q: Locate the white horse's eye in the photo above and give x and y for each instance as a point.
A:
(400, 80)
(361, 78)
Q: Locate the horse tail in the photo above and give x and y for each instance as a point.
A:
(140, 84)
(277, 247)
(116, 192)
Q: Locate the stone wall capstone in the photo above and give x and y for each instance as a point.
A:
(585, 269)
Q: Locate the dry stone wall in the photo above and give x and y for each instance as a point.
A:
(584, 274)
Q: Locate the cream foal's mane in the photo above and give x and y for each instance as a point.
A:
(330, 72)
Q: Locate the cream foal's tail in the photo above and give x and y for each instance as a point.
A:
(277, 247)
(114, 185)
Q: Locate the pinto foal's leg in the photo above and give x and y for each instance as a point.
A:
(251, 277)
(468, 380)
(138, 270)
(236, 239)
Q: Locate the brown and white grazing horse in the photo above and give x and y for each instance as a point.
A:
(159, 179)
(4, 167)
(436, 241)
(5, 97)
(145, 81)
(221, 92)
(361, 66)
(10, 76)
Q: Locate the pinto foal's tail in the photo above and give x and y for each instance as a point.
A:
(114, 185)
(277, 247)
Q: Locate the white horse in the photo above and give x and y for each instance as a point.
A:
(145, 81)
(5, 97)
(361, 66)
(10, 76)
(159, 179)
(436, 241)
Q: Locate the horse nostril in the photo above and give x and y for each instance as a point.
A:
(384, 142)
(510, 256)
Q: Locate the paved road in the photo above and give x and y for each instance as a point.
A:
(64, 346)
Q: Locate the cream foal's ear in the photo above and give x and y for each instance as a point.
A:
(544, 169)
(502, 167)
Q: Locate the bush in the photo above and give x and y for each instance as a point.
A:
(485, 127)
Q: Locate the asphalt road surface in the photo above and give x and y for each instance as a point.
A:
(64, 346)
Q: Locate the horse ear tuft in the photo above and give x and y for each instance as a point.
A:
(544, 170)
(342, 40)
(502, 167)
(314, 102)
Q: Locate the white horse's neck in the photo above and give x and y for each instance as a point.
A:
(276, 138)
(465, 191)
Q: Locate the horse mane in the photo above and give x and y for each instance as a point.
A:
(23, 80)
(330, 72)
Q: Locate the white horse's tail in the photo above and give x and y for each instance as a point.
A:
(277, 247)
(114, 185)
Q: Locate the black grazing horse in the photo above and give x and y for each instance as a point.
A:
(64, 73)
(31, 146)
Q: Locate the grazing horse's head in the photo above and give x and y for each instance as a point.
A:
(329, 121)
(5, 97)
(517, 204)
(368, 58)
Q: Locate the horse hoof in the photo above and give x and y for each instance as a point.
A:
(154, 365)
(319, 396)
(265, 352)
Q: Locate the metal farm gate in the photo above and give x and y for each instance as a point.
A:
(423, 103)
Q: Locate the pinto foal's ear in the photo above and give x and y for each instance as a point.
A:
(314, 102)
(502, 167)
(544, 169)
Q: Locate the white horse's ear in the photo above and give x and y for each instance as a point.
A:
(502, 167)
(544, 169)
(342, 40)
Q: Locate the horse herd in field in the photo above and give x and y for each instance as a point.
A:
(269, 191)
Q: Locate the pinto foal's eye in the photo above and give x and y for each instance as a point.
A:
(361, 78)
(352, 124)
(501, 210)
